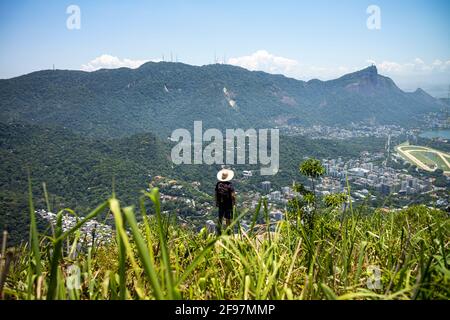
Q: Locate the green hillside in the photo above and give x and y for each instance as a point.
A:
(79, 170)
(160, 97)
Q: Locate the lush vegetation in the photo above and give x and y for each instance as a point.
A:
(84, 134)
(80, 170)
(80, 137)
(339, 252)
(161, 97)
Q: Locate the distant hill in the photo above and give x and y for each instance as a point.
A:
(159, 97)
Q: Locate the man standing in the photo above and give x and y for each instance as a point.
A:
(225, 198)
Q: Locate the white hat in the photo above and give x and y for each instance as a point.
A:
(225, 175)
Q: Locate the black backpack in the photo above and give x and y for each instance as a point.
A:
(223, 192)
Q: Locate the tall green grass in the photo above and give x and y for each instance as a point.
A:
(157, 259)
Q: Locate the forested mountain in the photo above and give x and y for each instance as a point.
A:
(160, 97)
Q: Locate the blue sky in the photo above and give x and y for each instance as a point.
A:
(301, 39)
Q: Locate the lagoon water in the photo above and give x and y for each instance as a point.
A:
(445, 134)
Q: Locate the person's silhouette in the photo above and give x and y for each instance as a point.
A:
(225, 198)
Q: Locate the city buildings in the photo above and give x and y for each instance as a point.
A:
(265, 185)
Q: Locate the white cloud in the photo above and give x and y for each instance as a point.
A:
(409, 75)
(107, 61)
(415, 67)
(431, 76)
(262, 60)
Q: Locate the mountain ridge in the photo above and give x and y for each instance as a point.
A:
(160, 97)
(146, 64)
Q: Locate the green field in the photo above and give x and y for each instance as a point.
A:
(425, 158)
